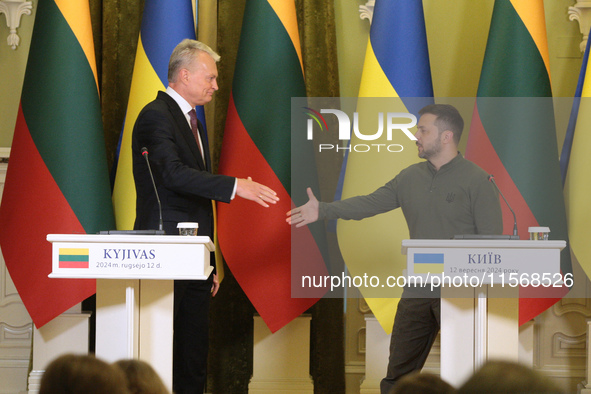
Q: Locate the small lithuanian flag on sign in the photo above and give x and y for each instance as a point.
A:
(73, 258)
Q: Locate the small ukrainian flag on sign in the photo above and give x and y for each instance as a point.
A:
(73, 258)
(425, 263)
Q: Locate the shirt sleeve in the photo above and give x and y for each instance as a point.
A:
(382, 200)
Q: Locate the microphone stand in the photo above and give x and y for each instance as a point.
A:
(145, 154)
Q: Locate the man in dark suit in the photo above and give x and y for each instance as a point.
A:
(181, 166)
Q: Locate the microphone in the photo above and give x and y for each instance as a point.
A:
(145, 154)
(491, 178)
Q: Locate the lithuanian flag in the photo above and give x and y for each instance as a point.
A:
(57, 180)
(73, 258)
(256, 242)
(512, 134)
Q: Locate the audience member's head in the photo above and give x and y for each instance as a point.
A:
(508, 377)
(141, 377)
(84, 374)
(424, 383)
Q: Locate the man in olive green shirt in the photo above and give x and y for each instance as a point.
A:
(444, 196)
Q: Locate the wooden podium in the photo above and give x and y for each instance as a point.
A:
(480, 299)
(135, 285)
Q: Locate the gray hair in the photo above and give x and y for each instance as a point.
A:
(184, 53)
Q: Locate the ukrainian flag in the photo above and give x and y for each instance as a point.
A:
(575, 162)
(428, 263)
(396, 66)
(165, 23)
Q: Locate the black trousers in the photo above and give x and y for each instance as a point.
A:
(191, 335)
(416, 325)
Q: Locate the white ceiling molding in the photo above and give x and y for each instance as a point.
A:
(13, 10)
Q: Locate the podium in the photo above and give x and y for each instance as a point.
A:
(135, 288)
(480, 296)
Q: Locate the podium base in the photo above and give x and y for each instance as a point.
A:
(67, 333)
(281, 361)
(283, 386)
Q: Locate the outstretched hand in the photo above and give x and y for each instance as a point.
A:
(305, 214)
(251, 190)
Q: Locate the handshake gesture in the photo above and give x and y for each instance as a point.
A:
(305, 214)
(253, 191)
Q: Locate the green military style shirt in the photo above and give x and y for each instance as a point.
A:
(457, 199)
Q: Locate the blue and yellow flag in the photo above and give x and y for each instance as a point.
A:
(165, 23)
(396, 66)
(575, 162)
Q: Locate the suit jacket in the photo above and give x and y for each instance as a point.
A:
(184, 180)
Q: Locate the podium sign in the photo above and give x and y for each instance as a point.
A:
(130, 256)
(480, 282)
(135, 288)
(482, 262)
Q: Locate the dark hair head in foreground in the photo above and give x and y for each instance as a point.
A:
(424, 383)
(508, 377)
(82, 374)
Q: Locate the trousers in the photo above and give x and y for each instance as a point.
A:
(191, 336)
(416, 326)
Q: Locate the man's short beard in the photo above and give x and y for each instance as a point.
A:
(435, 150)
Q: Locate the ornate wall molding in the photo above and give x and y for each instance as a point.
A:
(581, 306)
(11, 336)
(366, 11)
(581, 12)
(564, 345)
(13, 10)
